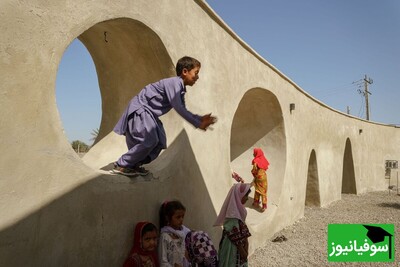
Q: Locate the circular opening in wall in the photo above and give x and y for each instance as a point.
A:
(78, 97)
(127, 55)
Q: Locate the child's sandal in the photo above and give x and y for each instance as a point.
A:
(264, 207)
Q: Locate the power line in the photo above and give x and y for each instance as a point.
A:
(336, 88)
(360, 85)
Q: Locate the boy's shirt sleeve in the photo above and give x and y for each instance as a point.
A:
(175, 92)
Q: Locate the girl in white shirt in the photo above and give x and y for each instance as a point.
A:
(172, 249)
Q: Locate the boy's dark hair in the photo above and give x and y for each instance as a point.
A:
(168, 209)
(186, 63)
(148, 228)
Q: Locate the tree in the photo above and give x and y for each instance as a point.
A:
(79, 146)
(94, 133)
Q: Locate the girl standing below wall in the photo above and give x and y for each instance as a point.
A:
(259, 171)
(233, 247)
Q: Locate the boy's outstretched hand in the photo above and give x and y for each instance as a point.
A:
(206, 121)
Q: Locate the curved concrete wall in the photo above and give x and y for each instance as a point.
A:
(60, 210)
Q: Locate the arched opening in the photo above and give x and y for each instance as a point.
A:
(348, 176)
(312, 189)
(128, 55)
(258, 122)
(78, 95)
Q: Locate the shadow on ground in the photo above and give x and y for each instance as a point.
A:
(392, 205)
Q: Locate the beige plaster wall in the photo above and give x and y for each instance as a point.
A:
(60, 210)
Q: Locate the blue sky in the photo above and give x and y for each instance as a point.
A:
(78, 94)
(326, 47)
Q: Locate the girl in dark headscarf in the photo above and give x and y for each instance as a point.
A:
(144, 251)
(259, 171)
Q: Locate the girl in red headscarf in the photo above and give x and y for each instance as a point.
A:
(144, 251)
(260, 166)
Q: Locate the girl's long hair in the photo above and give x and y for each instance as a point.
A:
(168, 209)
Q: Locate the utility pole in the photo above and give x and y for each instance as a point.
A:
(366, 82)
(366, 93)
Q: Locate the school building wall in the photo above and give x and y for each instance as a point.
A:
(60, 210)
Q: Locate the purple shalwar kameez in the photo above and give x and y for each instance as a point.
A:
(144, 132)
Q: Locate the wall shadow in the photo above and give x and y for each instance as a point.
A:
(348, 176)
(312, 189)
(92, 224)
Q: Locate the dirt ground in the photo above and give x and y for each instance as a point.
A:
(306, 243)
